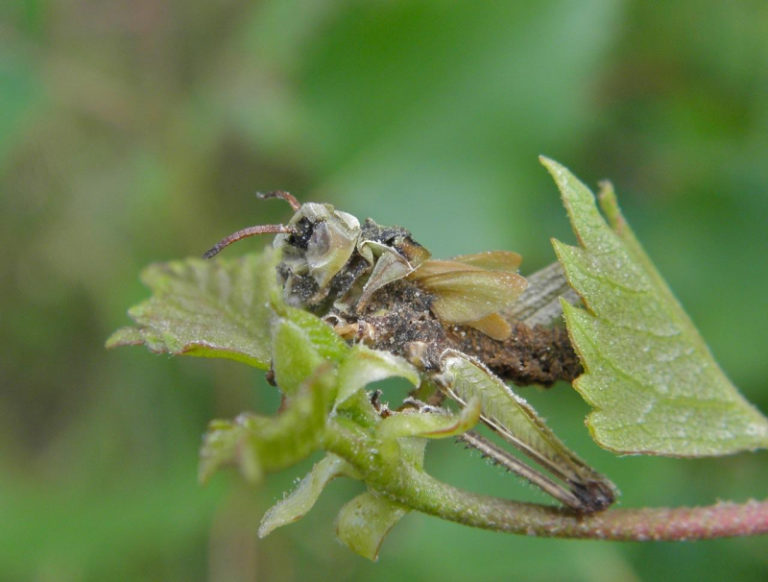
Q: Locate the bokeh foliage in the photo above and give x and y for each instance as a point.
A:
(137, 131)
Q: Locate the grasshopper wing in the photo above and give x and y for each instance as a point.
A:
(468, 295)
(492, 260)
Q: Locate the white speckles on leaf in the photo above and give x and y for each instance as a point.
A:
(650, 377)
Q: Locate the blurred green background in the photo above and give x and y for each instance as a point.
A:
(137, 131)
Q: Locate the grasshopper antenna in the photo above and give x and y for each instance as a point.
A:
(245, 233)
(283, 195)
(259, 229)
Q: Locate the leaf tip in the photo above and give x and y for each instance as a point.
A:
(558, 247)
(364, 522)
(551, 165)
(606, 197)
(125, 336)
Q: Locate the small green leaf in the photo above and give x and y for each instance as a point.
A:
(430, 424)
(359, 410)
(215, 309)
(655, 386)
(220, 447)
(364, 521)
(295, 357)
(298, 503)
(321, 336)
(257, 444)
(364, 365)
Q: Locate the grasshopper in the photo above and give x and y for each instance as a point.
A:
(376, 285)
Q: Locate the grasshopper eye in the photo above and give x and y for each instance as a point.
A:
(320, 241)
(329, 248)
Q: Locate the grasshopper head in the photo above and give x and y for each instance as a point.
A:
(316, 243)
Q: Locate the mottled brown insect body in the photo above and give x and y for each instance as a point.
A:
(377, 285)
(530, 355)
(398, 319)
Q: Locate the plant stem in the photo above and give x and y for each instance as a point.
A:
(419, 491)
(658, 524)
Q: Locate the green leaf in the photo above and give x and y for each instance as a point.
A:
(364, 521)
(301, 341)
(364, 365)
(295, 356)
(298, 503)
(222, 445)
(320, 335)
(214, 309)
(430, 425)
(655, 386)
(257, 444)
